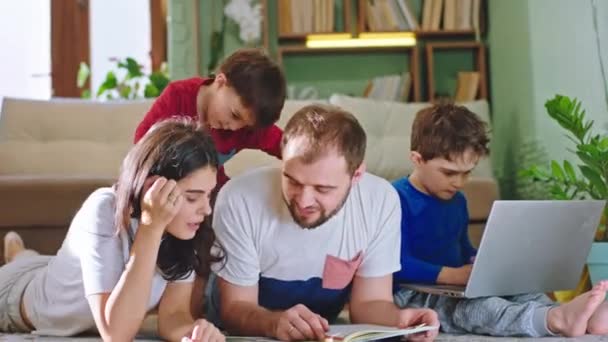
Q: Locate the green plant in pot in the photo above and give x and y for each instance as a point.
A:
(588, 180)
(133, 84)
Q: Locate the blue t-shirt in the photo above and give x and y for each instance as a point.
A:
(434, 233)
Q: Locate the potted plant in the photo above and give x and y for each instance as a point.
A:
(588, 181)
(133, 84)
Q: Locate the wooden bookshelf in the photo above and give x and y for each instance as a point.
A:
(444, 33)
(480, 64)
(354, 22)
(412, 66)
(362, 25)
(300, 36)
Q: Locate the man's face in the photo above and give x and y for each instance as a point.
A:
(316, 191)
(442, 178)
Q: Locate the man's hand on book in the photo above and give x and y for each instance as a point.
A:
(413, 317)
(299, 323)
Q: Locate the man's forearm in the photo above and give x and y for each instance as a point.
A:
(379, 312)
(242, 318)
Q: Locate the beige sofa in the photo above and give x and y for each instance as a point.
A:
(54, 153)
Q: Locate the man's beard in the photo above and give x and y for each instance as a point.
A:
(323, 217)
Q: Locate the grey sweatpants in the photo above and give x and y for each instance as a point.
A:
(523, 315)
(14, 278)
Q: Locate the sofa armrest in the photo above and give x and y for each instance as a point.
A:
(481, 194)
(44, 200)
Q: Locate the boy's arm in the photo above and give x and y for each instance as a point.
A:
(414, 270)
(267, 139)
(160, 110)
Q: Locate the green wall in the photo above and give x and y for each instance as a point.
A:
(565, 60)
(511, 86)
(540, 48)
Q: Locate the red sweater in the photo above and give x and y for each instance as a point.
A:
(179, 99)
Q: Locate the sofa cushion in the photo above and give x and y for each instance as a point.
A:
(480, 193)
(67, 136)
(389, 126)
(250, 159)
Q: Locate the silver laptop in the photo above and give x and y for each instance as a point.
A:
(529, 247)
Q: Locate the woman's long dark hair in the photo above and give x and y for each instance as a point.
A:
(172, 149)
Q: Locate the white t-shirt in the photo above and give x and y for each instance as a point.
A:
(293, 265)
(91, 260)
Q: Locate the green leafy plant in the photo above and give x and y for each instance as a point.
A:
(132, 85)
(562, 180)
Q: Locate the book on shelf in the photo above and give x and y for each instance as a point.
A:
(389, 87)
(451, 15)
(467, 86)
(436, 10)
(305, 16)
(389, 15)
(368, 332)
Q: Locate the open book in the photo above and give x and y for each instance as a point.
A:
(367, 332)
(350, 333)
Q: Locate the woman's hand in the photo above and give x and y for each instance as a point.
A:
(204, 331)
(161, 203)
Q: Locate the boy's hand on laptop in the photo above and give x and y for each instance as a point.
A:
(412, 317)
(454, 275)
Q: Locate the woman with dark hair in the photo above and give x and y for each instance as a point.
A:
(130, 248)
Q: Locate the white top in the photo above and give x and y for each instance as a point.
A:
(292, 265)
(91, 261)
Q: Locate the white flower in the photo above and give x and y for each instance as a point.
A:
(249, 18)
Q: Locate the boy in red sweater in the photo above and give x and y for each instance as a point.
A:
(238, 106)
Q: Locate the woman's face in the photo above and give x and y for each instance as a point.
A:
(196, 190)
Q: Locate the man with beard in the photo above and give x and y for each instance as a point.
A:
(303, 239)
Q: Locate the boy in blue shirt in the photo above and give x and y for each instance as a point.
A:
(447, 142)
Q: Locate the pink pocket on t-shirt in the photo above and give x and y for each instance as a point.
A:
(338, 273)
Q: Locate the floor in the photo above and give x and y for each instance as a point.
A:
(442, 338)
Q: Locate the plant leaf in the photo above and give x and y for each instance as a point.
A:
(83, 74)
(558, 193)
(151, 91)
(569, 170)
(590, 161)
(125, 91)
(109, 83)
(595, 180)
(159, 80)
(556, 171)
(603, 144)
(86, 94)
(133, 68)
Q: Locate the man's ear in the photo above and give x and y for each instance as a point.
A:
(416, 158)
(359, 172)
(220, 79)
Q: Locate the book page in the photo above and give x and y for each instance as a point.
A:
(367, 332)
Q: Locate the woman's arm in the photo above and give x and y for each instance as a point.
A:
(175, 321)
(118, 314)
